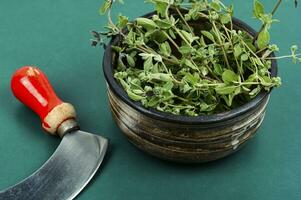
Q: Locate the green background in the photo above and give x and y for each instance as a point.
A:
(54, 35)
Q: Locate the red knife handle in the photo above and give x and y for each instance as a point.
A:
(32, 87)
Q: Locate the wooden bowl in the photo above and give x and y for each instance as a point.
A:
(184, 138)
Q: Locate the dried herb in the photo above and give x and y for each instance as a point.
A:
(169, 63)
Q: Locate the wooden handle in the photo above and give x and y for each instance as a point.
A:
(31, 86)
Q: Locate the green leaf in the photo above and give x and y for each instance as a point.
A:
(246, 89)
(124, 84)
(265, 80)
(163, 23)
(117, 48)
(133, 54)
(148, 64)
(188, 36)
(225, 18)
(153, 101)
(218, 69)
(120, 75)
(244, 57)
(267, 19)
(157, 35)
(161, 77)
(134, 96)
(215, 5)
(105, 7)
(165, 49)
(120, 64)
(256, 61)
(263, 39)
(186, 88)
(224, 89)
(135, 83)
(208, 35)
(237, 90)
(258, 9)
(274, 48)
(172, 34)
(206, 107)
(237, 50)
(130, 37)
(255, 91)
(155, 68)
(229, 76)
(138, 92)
(204, 71)
(168, 85)
(191, 79)
(252, 78)
(231, 9)
(146, 55)
(122, 21)
(251, 46)
(227, 99)
(185, 49)
(165, 77)
(202, 41)
(188, 63)
(161, 7)
(158, 58)
(146, 23)
(130, 61)
(190, 112)
(277, 81)
(148, 88)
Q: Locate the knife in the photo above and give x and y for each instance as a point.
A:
(79, 154)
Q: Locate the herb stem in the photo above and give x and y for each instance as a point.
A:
(222, 84)
(281, 57)
(221, 43)
(259, 51)
(276, 7)
(273, 12)
(175, 28)
(171, 40)
(182, 37)
(184, 21)
(213, 74)
(252, 52)
(188, 26)
(181, 98)
(218, 35)
(231, 43)
(151, 51)
(110, 18)
(195, 65)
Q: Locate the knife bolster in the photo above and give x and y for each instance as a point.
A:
(57, 116)
(67, 126)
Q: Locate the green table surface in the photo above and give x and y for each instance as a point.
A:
(54, 35)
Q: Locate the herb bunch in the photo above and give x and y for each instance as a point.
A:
(189, 58)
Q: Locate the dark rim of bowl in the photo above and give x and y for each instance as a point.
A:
(117, 89)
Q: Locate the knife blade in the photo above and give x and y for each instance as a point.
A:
(79, 154)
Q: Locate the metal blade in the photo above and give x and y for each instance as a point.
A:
(66, 172)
